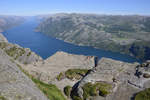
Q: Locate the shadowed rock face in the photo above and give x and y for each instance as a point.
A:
(14, 85)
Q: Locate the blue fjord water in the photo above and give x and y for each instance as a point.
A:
(45, 46)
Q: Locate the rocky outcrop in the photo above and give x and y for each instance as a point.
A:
(126, 79)
(14, 84)
(23, 55)
(48, 69)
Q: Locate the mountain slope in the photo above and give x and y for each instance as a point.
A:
(7, 22)
(14, 85)
(124, 34)
(23, 55)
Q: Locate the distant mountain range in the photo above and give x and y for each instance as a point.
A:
(128, 34)
(7, 22)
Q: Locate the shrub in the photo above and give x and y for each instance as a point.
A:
(29, 54)
(143, 95)
(67, 90)
(76, 98)
(60, 76)
(2, 98)
(100, 88)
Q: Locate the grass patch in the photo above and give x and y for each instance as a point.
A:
(72, 74)
(99, 88)
(29, 54)
(67, 90)
(143, 95)
(76, 98)
(75, 73)
(2, 98)
(15, 52)
(12, 51)
(50, 90)
(3, 45)
(60, 76)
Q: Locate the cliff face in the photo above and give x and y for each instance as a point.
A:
(14, 84)
(49, 69)
(23, 55)
(108, 80)
(124, 34)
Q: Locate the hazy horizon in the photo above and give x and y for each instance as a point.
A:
(44, 7)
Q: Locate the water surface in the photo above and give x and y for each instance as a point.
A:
(45, 46)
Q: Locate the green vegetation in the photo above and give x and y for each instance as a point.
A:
(15, 52)
(11, 50)
(50, 90)
(2, 98)
(67, 90)
(99, 88)
(29, 54)
(60, 76)
(76, 98)
(3, 45)
(143, 95)
(75, 73)
(72, 74)
(90, 90)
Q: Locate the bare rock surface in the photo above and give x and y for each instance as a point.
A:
(48, 70)
(14, 84)
(127, 79)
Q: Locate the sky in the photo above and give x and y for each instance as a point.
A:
(37, 7)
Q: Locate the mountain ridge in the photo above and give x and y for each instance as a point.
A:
(125, 34)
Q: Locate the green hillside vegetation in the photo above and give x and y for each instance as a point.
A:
(12, 50)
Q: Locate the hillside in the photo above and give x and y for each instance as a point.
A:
(14, 84)
(7, 22)
(124, 34)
